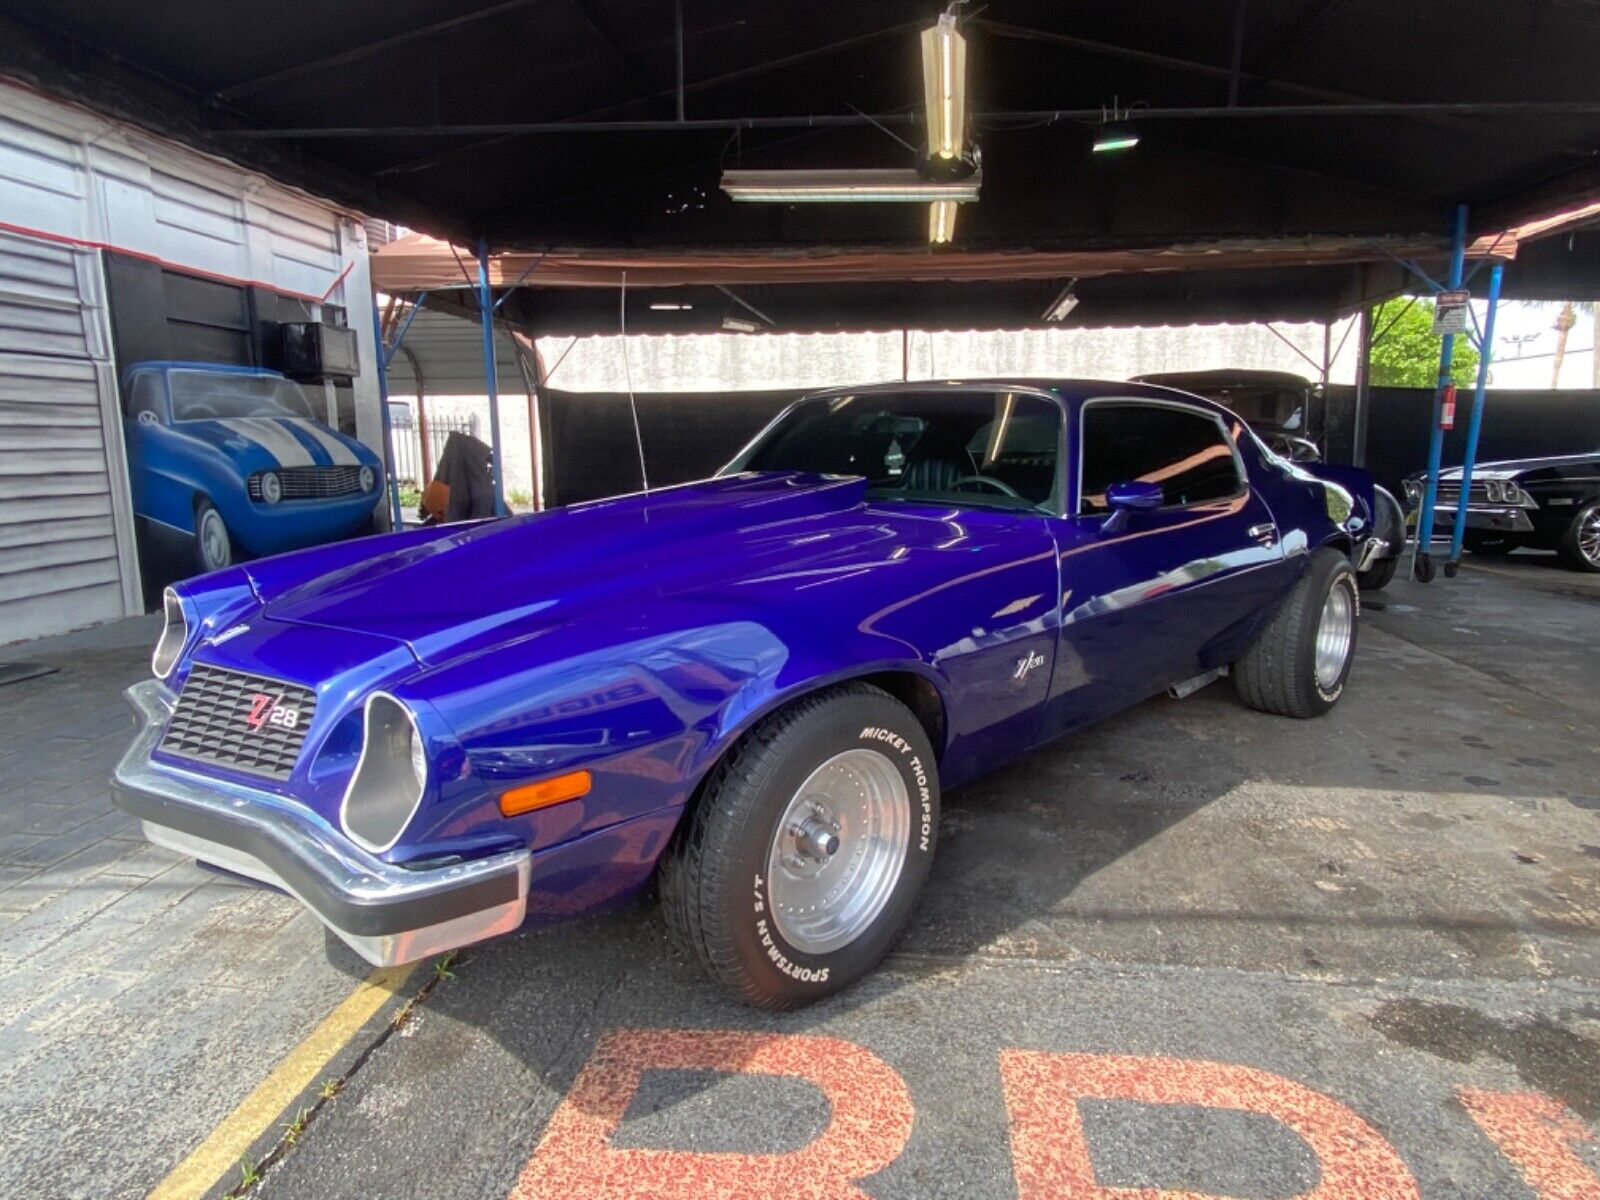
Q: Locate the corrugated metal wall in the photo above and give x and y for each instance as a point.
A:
(71, 183)
(65, 551)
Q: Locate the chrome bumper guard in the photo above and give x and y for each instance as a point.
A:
(387, 914)
(1369, 552)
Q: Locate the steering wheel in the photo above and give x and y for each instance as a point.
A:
(987, 481)
(200, 412)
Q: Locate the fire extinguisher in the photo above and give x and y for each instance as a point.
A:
(1447, 409)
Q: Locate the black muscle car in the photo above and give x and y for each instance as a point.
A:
(1548, 503)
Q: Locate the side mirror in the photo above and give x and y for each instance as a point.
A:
(1127, 498)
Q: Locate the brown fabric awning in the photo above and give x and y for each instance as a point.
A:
(417, 262)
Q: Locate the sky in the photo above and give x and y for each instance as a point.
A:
(1525, 344)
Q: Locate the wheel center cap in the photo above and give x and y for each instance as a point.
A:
(817, 840)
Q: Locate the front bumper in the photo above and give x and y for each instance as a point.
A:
(387, 914)
(1499, 518)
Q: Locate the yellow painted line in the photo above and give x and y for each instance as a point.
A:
(220, 1152)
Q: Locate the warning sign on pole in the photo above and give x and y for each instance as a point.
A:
(1450, 312)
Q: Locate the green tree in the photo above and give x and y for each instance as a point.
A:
(1405, 351)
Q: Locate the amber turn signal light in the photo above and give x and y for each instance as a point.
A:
(531, 796)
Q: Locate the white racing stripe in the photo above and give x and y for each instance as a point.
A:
(278, 441)
(341, 454)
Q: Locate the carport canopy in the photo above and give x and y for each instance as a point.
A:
(550, 125)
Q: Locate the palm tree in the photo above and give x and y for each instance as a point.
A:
(1565, 320)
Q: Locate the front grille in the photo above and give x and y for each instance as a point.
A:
(1450, 493)
(248, 722)
(312, 483)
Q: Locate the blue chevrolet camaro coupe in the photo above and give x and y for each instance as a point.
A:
(224, 460)
(751, 688)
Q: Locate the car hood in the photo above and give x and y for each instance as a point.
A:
(267, 443)
(1510, 468)
(491, 581)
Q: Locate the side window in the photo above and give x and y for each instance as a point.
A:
(1185, 452)
(146, 398)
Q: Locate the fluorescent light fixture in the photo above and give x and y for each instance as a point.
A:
(739, 325)
(1062, 304)
(821, 187)
(1115, 137)
(663, 306)
(941, 221)
(944, 85)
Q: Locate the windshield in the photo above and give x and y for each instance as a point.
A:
(981, 448)
(209, 395)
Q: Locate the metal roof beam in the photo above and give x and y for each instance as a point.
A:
(698, 85)
(366, 49)
(990, 119)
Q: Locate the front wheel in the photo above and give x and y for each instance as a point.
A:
(1298, 664)
(1580, 544)
(213, 545)
(807, 848)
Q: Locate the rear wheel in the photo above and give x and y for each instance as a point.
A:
(1298, 664)
(1580, 544)
(1490, 545)
(803, 858)
(213, 545)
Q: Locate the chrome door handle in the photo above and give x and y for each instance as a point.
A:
(1267, 533)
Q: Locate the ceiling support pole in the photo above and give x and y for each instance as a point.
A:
(1358, 451)
(392, 484)
(490, 383)
(1475, 422)
(1421, 562)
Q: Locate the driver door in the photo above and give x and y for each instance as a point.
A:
(1151, 598)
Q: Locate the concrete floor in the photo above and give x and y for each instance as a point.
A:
(1255, 952)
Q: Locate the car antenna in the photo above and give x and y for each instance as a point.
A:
(627, 375)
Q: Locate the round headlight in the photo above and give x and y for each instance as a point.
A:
(368, 479)
(389, 780)
(271, 487)
(174, 634)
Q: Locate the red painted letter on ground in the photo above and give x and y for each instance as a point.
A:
(870, 1123)
(1051, 1153)
(1536, 1133)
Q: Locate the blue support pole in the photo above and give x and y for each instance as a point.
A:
(389, 352)
(1458, 259)
(391, 483)
(491, 383)
(1470, 458)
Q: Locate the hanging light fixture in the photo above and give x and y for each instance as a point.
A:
(944, 86)
(883, 186)
(948, 172)
(1115, 132)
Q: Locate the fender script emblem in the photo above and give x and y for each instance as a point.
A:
(1026, 663)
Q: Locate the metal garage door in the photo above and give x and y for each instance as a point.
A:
(65, 536)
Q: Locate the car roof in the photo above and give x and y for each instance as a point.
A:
(1066, 389)
(1227, 377)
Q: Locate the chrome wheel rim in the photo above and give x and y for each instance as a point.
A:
(214, 540)
(1334, 632)
(1589, 538)
(838, 851)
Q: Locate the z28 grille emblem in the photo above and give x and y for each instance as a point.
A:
(1026, 663)
(266, 710)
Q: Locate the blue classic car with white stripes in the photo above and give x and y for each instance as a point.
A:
(230, 461)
